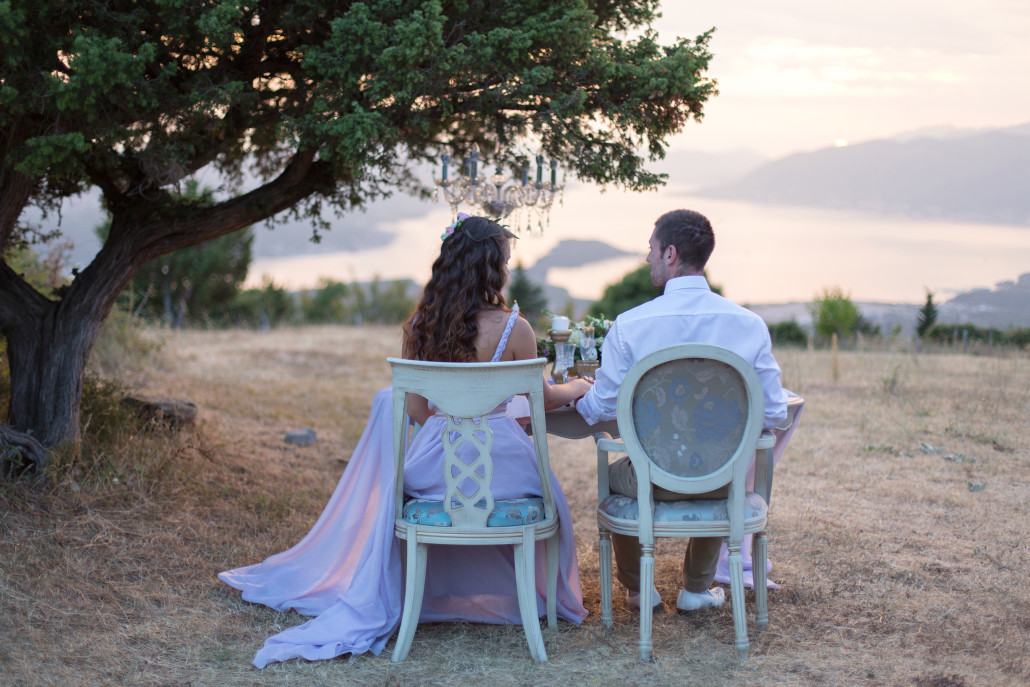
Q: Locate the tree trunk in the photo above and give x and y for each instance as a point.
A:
(47, 359)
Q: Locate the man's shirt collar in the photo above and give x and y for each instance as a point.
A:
(692, 281)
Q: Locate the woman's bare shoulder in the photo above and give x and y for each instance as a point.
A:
(522, 340)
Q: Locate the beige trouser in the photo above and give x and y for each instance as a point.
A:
(702, 554)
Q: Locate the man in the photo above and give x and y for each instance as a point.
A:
(687, 312)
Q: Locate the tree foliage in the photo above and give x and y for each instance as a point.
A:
(296, 107)
(335, 302)
(634, 288)
(834, 313)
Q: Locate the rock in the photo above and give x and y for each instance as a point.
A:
(301, 437)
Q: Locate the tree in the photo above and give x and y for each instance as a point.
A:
(633, 289)
(189, 284)
(298, 106)
(530, 296)
(268, 306)
(927, 316)
(834, 313)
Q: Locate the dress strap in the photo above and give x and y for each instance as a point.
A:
(507, 331)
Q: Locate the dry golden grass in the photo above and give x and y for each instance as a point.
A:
(898, 535)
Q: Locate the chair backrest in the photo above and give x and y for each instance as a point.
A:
(467, 393)
(694, 413)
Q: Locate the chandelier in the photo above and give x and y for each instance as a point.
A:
(497, 195)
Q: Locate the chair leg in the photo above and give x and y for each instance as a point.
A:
(759, 565)
(646, 600)
(604, 554)
(525, 580)
(736, 565)
(414, 586)
(552, 579)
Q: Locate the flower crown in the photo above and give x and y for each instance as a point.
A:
(449, 229)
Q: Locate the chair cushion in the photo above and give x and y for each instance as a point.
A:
(698, 510)
(510, 513)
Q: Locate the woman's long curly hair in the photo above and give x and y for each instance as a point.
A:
(468, 277)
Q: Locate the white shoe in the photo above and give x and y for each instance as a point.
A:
(633, 598)
(690, 601)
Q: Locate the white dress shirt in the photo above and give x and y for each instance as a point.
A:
(688, 312)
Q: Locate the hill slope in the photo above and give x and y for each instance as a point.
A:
(979, 177)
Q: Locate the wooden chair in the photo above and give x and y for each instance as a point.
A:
(467, 393)
(690, 419)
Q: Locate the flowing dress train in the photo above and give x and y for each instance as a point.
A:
(347, 570)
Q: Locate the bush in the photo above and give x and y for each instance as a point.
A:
(788, 334)
(955, 334)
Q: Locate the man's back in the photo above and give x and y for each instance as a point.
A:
(688, 312)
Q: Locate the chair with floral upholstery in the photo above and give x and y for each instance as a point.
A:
(690, 420)
(467, 393)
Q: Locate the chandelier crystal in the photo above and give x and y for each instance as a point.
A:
(499, 196)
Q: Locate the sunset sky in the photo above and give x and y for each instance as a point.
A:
(799, 75)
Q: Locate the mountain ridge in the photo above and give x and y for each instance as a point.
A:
(980, 176)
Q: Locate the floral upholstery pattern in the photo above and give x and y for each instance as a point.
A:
(690, 415)
(696, 510)
(510, 513)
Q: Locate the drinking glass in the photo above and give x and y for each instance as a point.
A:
(564, 358)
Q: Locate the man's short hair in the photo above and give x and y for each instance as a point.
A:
(691, 233)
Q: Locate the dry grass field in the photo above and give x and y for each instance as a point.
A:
(899, 535)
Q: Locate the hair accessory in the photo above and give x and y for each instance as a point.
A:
(449, 229)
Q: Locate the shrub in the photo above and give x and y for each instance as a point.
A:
(788, 333)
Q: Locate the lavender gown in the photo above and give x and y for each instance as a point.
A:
(347, 569)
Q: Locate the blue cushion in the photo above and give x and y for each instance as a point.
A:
(697, 510)
(510, 513)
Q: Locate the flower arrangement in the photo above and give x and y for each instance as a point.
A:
(580, 331)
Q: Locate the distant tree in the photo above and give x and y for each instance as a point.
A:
(529, 295)
(834, 313)
(259, 308)
(325, 305)
(633, 289)
(629, 292)
(300, 107)
(927, 316)
(188, 285)
(387, 304)
(334, 302)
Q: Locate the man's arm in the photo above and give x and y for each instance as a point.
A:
(772, 389)
(599, 402)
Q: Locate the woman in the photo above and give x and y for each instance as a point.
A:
(346, 570)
